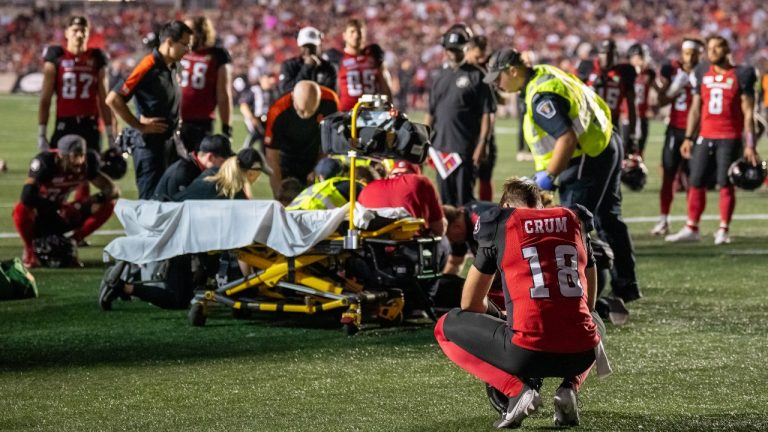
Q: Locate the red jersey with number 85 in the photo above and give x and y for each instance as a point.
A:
(721, 115)
(77, 91)
(199, 77)
(542, 258)
(358, 75)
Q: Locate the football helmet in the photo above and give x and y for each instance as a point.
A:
(56, 251)
(113, 163)
(745, 176)
(634, 173)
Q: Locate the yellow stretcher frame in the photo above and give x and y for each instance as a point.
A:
(319, 294)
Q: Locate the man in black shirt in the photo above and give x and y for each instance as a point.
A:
(460, 107)
(308, 65)
(292, 137)
(214, 150)
(154, 84)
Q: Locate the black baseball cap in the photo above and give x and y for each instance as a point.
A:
(329, 167)
(219, 145)
(78, 21)
(500, 61)
(252, 159)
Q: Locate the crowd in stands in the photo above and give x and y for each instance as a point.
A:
(260, 35)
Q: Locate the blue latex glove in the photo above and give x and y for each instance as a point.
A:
(544, 180)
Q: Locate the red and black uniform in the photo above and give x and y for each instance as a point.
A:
(549, 332)
(199, 82)
(358, 75)
(472, 212)
(671, 159)
(720, 136)
(44, 208)
(643, 83)
(297, 139)
(612, 85)
(77, 93)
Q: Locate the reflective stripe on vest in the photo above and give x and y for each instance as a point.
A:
(320, 196)
(590, 116)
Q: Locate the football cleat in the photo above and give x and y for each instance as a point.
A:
(566, 407)
(722, 237)
(520, 407)
(111, 286)
(618, 313)
(29, 259)
(661, 228)
(684, 235)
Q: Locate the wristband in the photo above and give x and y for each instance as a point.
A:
(749, 140)
(689, 137)
(41, 131)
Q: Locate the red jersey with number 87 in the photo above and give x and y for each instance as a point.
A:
(721, 115)
(358, 75)
(77, 91)
(199, 78)
(542, 258)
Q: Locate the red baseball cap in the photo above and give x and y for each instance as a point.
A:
(404, 167)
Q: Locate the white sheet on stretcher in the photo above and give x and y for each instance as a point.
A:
(157, 231)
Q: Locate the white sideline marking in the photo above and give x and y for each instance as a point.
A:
(638, 219)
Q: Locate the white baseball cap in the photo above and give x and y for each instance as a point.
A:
(309, 36)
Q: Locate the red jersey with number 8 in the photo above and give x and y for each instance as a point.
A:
(721, 115)
(543, 261)
(77, 91)
(358, 75)
(199, 78)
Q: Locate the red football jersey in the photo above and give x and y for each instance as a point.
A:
(721, 115)
(678, 113)
(543, 259)
(199, 76)
(612, 85)
(56, 184)
(357, 75)
(77, 92)
(643, 84)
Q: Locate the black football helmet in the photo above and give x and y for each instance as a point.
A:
(634, 173)
(113, 163)
(56, 251)
(746, 176)
(457, 37)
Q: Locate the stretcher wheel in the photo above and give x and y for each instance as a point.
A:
(197, 315)
(498, 400)
(350, 329)
(397, 321)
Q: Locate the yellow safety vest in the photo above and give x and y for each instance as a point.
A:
(589, 114)
(320, 196)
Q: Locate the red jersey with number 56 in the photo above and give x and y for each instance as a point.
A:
(358, 75)
(542, 259)
(199, 77)
(77, 91)
(721, 115)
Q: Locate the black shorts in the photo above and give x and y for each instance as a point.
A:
(641, 133)
(485, 170)
(86, 127)
(713, 156)
(193, 132)
(671, 159)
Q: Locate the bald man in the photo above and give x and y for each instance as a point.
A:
(292, 137)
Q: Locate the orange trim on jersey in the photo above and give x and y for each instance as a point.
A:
(280, 106)
(137, 74)
(765, 90)
(328, 94)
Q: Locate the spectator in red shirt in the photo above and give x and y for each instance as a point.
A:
(406, 187)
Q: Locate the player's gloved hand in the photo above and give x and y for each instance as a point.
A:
(544, 180)
(226, 130)
(42, 143)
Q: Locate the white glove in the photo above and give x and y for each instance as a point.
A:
(111, 140)
(42, 143)
(678, 83)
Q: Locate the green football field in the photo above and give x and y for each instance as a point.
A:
(693, 356)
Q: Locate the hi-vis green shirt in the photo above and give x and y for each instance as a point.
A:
(589, 115)
(326, 195)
